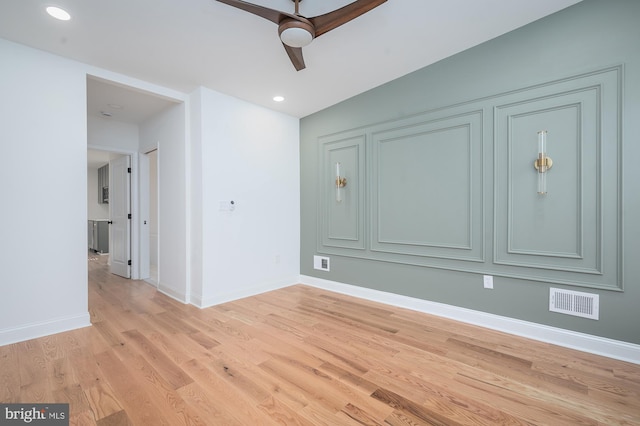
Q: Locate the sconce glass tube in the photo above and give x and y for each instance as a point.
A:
(341, 182)
(543, 162)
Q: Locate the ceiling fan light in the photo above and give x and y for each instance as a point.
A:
(296, 33)
(296, 37)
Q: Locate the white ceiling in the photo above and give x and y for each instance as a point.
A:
(112, 101)
(184, 44)
(96, 158)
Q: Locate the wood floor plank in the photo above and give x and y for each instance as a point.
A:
(84, 418)
(304, 356)
(181, 348)
(536, 408)
(61, 374)
(275, 388)
(140, 406)
(163, 364)
(102, 400)
(234, 403)
(36, 392)
(422, 412)
(32, 364)
(207, 405)
(118, 418)
(9, 374)
(74, 396)
(281, 413)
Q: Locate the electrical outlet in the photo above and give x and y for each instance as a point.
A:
(321, 263)
(488, 281)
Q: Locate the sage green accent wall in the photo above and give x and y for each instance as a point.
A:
(441, 187)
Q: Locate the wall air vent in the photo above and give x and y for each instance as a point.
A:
(586, 305)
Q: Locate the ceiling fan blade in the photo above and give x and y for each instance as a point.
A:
(295, 54)
(272, 15)
(331, 20)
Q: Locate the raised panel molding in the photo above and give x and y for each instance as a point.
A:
(342, 223)
(570, 235)
(500, 226)
(426, 187)
(568, 215)
(568, 185)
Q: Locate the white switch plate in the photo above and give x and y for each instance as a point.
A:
(488, 281)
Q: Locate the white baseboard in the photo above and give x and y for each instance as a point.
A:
(230, 296)
(151, 281)
(616, 349)
(180, 297)
(44, 328)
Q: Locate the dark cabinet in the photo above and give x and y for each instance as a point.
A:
(103, 184)
(99, 236)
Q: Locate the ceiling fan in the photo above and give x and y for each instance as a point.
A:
(296, 31)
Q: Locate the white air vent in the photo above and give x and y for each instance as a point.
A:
(321, 263)
(586, 305)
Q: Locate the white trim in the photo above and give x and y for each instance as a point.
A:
(168, 291)
(44, 328)
(111, 77)
(189, 198)
(616, 349)
(152, 282)
(201, 303)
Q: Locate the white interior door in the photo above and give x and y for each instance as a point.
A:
(119, 212)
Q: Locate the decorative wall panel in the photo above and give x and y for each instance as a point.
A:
(563, 230)
(343, 221)
(424, 193)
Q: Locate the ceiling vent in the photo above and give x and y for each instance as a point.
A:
(586, 305)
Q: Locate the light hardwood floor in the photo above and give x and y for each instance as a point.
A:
(303, 356)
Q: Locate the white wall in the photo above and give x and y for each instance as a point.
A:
(242, 152)
(43, 263)
(248, 154)
(167, 132)
(112, 135)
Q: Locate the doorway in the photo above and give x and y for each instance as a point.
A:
(119, 119)
(108, 209)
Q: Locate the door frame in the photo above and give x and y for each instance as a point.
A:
(136, 210)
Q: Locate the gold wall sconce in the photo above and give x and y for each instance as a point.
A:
(543, 163)
(341, 182)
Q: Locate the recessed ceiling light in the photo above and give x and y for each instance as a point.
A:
(106, 114)
(278, 98)
(114, 106)
(58, 13)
